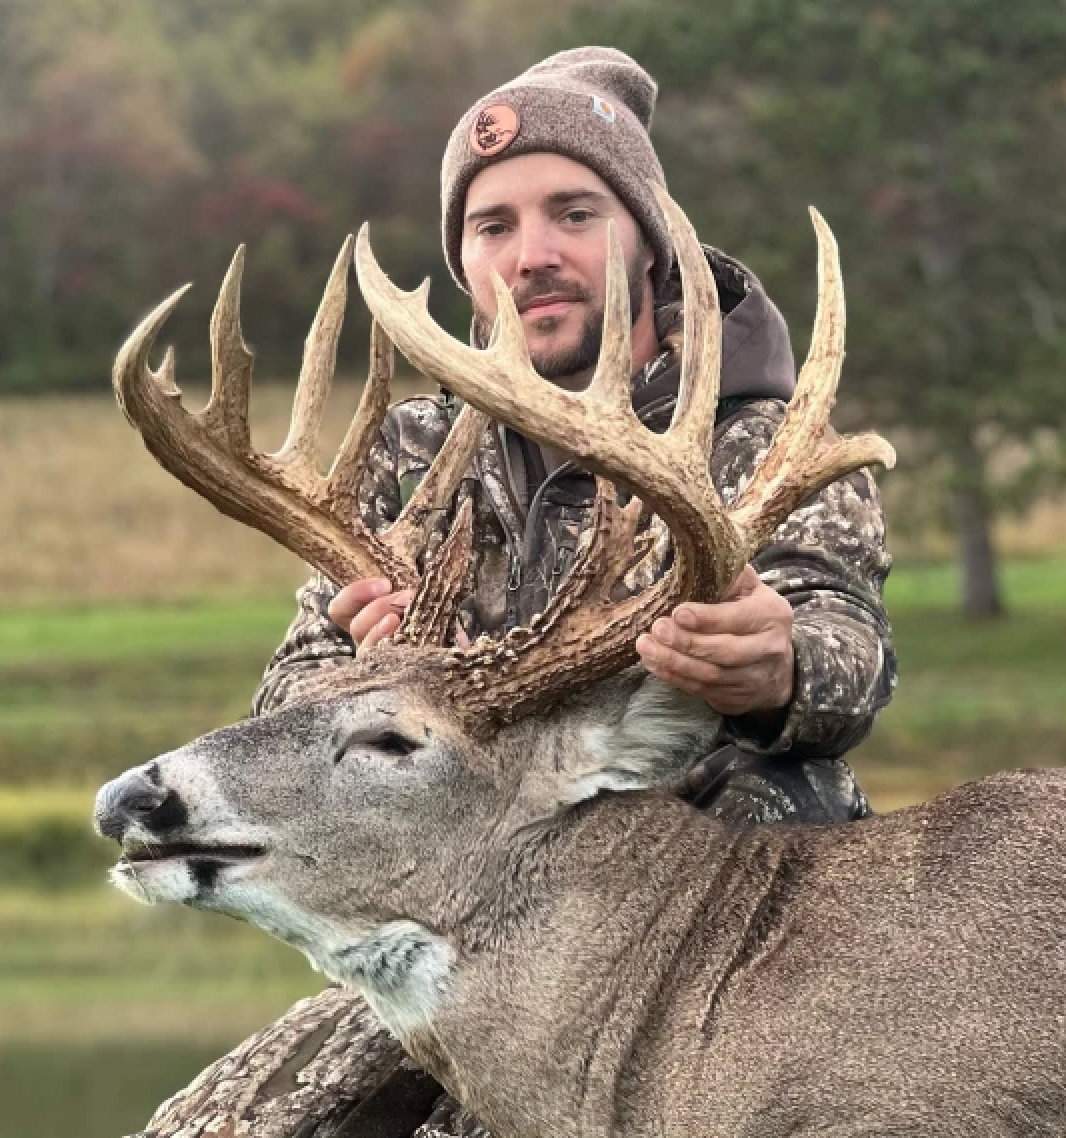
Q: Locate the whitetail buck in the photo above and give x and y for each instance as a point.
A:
(483, 840)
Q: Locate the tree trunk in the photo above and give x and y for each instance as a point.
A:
(326, 1069)
(982, 597)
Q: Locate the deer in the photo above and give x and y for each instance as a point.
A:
(485, 841)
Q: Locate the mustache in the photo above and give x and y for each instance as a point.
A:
(548, 284)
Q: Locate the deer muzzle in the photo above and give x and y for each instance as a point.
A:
(161, 859)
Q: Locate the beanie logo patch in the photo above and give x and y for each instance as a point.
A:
(494, 129)
(604, 109)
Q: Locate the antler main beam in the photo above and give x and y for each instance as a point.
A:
(586, 632)
(283, 494)
(597, 427)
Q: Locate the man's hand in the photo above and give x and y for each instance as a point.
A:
(736, 654)
(369, 610)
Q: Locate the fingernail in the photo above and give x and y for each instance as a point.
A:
(381, 587)
(685, 617)
(661, 629)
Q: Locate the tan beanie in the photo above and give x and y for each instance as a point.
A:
(591, 104)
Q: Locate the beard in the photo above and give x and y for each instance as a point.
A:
(558, 363)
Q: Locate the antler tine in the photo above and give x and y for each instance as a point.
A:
(298, 452)
(584, 634)
(495, 381)
(407, 535)
(137, 399)
(342, 482)
(166, 376)
(701, 352)
(508, 339)
(798, 463)
(604, 437)
(614, 369)
(231, 365)
(431, 613)
(210, 451)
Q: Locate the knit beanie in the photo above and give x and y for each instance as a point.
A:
(591, 104)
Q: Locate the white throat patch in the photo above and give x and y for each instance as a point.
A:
(401, 967)
(403, 970)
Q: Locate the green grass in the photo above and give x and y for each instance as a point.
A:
(113, 634)
(973, 697)
(1030, 586)
(86, 693)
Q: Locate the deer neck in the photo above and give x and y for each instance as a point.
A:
(552, 977)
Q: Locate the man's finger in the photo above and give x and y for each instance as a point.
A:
(740, 617)
(725, 649)
(371, 615)
(662, 661)
(381, 631)
(744, 585)
(355, 597)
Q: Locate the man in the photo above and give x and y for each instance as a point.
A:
(798, 658)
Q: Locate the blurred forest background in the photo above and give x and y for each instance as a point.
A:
(142, 140)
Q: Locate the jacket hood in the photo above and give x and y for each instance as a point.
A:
(757, 360)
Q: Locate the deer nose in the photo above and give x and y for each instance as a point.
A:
(133, 797)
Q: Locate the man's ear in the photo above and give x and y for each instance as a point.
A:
(661, 734)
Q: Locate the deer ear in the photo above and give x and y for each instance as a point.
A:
(661, 734)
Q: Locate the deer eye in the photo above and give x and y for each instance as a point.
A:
(391, 743)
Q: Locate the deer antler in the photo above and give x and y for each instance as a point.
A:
(585, 633)
(283, 494)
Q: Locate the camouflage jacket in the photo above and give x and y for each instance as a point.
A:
(828, 559)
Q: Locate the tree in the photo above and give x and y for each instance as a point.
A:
(931, 136)
(141, 142)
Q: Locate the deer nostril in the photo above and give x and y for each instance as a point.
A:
(135, 798)
(169, 814)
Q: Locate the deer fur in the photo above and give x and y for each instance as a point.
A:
(573, 951)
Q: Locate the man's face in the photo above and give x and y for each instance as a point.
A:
(540, 220)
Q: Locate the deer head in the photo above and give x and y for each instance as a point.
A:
(396, 783)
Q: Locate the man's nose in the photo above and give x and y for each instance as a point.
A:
(131, 798)
(537, 249)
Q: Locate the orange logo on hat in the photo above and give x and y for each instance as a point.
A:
(604, 109)
(494, 129)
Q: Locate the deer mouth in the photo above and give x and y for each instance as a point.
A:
(142, 854)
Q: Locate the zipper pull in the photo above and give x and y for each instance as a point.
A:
(514, 578)
(514, 583)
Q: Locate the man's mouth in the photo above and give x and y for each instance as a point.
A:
(552, 305)
(140, 855)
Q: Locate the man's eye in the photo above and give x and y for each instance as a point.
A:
(580, 216)
(492, 229)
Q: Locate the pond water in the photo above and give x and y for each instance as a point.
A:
(98, 1091)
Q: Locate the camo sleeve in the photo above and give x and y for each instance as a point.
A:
(411, 435)
(829, 560)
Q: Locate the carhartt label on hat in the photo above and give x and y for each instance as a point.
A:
(494, 129)
(604, 109)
